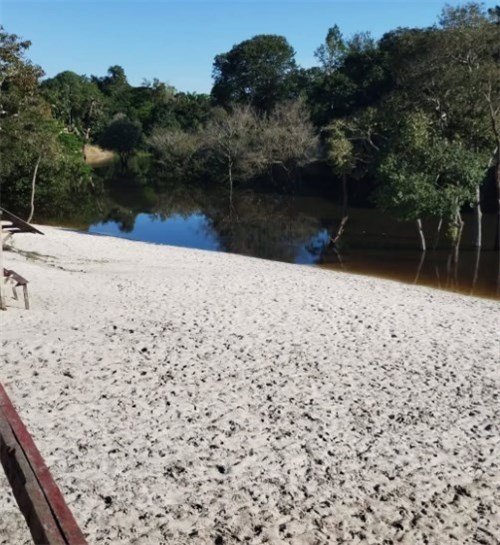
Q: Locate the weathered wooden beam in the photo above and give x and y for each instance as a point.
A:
(27, 491)
(48, 517)
(18, 225)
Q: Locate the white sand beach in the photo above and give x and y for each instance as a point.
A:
(189, 397)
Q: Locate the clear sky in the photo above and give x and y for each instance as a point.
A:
(176, 41)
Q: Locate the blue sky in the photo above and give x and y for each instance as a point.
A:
(176, 41)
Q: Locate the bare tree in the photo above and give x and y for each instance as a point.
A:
(233, 139)
(288, 138)
(175, 149)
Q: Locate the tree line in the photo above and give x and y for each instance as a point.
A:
(414, 117)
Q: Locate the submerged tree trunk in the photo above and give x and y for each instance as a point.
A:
(495, 125)
(336, 238)
(123, 161)
(460, 228)
(449, 282)
(496, 245)
(345, 217)
(423, 244)
(230, 176)
(498, 274)
(33, 187)
(419, 268)
(438, 233)
(478, 216)
(345, 197)
(476, 270)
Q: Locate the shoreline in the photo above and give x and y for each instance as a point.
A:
(189, 396)
(324, 267)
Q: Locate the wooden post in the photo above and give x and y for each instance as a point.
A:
(26, 299)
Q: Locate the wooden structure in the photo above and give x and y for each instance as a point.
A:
(11, 224)
(48, 517)
(18, 281)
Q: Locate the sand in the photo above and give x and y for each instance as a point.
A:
(189, 397)
(96, 156)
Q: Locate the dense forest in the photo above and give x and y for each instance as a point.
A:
(409, 123)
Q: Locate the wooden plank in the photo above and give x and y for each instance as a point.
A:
(27, 491)
(66, 523)
(17, 225)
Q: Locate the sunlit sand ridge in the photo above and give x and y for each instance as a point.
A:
(182, 396)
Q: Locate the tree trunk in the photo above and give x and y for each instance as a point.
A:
(423, 244)
(478, 216)
(438, 232)
(33, 186)
(230, 175)
(498, 274)
(345, 197)
(495, 125)
(340, 231)
(496, 245)
(460, 225)
(419, 268)
(345, 217)
(449, 283)
(476, 270)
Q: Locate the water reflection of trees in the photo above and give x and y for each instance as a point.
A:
(294, 229)
(265, 226)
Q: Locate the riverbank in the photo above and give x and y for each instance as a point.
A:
(97, 157)
(184, 396)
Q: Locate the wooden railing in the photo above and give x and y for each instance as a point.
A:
(48, 517)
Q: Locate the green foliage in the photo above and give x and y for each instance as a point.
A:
(349, 146)
(426, 174)
(353, 76)
(329, 95)
(76, 101)
(451, 75)
(117, 93)
(331, 54)
(115, 86)
(419, 106)
(65, 186)
(31, 137)
(184, 111)
(146, 100)
(339, 149)
(257, 72)
(122, 136)
(64, 181)
(18, 75)
(449, 72)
